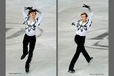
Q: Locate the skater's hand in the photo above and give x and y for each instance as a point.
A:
(86, 6)
(28, 8)
(73, 23)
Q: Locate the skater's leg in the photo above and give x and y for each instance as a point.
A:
(76, 55)
(84, 52)
(74, 59)
(31, 48)
(86, 55)
(25, 46)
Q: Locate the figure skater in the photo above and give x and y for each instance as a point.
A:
(82, 26)
(31, 23)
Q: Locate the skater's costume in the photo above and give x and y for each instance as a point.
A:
(30, 36)
(80, 39)
(31, 28)
(82, 28)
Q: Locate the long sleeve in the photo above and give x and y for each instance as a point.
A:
(90, 18)
(75, 23)
(24, 14)
(40, 18)
(82, 28)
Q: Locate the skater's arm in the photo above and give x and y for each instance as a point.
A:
(74, 23)
(90, 15)
(24, 12)
(40, 18)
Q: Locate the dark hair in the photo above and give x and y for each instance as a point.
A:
(31, 10)
(84, 13)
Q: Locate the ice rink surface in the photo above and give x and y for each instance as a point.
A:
(44, 59)
(96, 40)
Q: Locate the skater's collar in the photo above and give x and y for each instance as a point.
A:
(31, 23)
(83, 23)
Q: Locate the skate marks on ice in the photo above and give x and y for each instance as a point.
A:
(98, 44)
(20, 31)
(15, 34)
(101, 36)
(100, 41)
(7, 29)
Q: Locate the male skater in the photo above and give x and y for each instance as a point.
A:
(82, 26)
(31, 24)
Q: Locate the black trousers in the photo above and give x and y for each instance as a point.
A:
(80, 40)
(29, 41)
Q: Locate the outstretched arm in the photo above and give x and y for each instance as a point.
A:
(74, 23)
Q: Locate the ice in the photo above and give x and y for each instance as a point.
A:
(44, 58)
(96, 39)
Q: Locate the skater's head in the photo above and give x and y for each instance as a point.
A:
(84, 16)
(32, 13)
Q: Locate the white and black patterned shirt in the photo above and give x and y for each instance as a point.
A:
(30, 29)
(82, 28)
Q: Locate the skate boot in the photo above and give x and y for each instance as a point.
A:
(71, 70)
(27, 67)
(23, 56)
(91, 59)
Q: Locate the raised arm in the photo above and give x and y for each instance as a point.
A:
(24, 11)
(40, 18)
(90, 15)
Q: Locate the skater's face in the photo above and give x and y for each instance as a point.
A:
(32, 15)
(83, 18)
